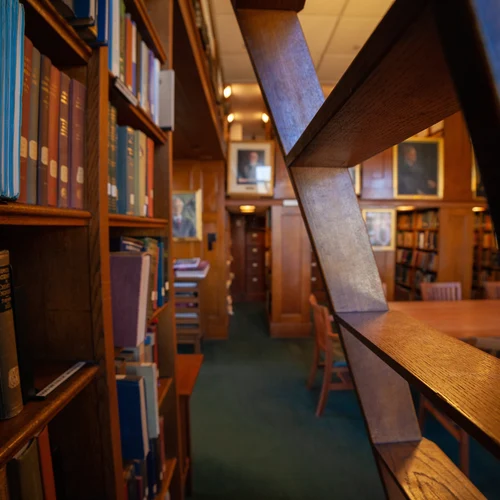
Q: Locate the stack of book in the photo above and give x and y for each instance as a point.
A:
(52, 169)
(130, 170)
(191, 268)
(11, 57)
(132, 62)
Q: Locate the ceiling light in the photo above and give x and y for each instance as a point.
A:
(230, 117)
(265, 117)
(247, 209)
(228, 91)
(405, 208)
(478, 209)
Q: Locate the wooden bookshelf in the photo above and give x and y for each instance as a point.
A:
(486, 263)
(164, 385)
(167, 478)
(157, 312)
(133, 221)
(37, 414)
(20, 214)
(53, 36)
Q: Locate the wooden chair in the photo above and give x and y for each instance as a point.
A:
(492, 290)
(327, 344)
(445, 291)
(441, 291)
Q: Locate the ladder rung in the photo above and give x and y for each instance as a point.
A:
(456, 377)
(422, 470)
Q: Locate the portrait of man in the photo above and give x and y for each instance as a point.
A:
(248, 161)
(380, 228)
(186, 215)
(418, 165)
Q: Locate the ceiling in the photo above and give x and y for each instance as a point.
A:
(335, 30)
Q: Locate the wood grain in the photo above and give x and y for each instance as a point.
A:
(119, 220)
(164, 385)
(364, 115)
(36, 215)
(454, 376)
(188, 369)
(279, 53)
(424, 471)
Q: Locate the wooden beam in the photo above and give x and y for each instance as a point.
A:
(294, 5)
(398, 85)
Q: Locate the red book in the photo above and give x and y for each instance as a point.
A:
(150, 176)
(128, 51)
(43, 132)
(63, 160)
(46, 471)
(77, 143)
(23, 188)
(54, 100)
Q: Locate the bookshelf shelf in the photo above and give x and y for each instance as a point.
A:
(164, 384)
(133, 116)
(167, 479)
(145, 26)
(37, 414)
(20, 214)
(119, 220)
(53, 35)
(157, 312)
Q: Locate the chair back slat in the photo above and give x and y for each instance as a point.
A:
(492, 290)
(321, 320)
(441, 291)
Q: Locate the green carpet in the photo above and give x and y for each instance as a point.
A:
(255, 435)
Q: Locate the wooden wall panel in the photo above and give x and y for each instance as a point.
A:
(376, 177)
(238, 267)
(209, 177)
(283, 188)
(385, 263)
(291, 274)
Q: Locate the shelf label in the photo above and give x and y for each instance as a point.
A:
(59, 380)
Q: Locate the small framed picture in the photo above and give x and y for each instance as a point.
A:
(380, 224)
(186, 215)
(355, 173)
(478, 192)
(250, 168)
(418, 168)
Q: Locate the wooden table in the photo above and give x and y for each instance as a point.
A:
(187, 370)
(460, 319)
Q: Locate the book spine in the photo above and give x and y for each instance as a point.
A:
(137, 173)
(130, 171)
(54, 104)
(77, 144)
(114, 145)
(144, 78)
(11, 399)
(43, 131)
(122, 41)
(142, 175)
(134, 58)
(103, 13)
(150, 176)
(128, 51)
(28, 51)
(138, 66)
(121, 170)
(157, 91)
(110, 159)
(151, 89)
(115, 37)
(31, 171)
(63, 177)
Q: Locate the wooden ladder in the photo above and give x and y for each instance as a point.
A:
(425, 61)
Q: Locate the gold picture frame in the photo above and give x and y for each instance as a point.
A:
(355, 173)
(476, 181)
(250, 168)
(427, 173)
(186, 215)
(381, 228)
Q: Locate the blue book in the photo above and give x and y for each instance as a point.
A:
(152, 468)
(85, 12)
(103, 12)
(3, 81)
(133, 420)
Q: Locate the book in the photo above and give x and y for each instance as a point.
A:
(23, 473)
(43, 132)
(144, 101)
(77, 143)
(160, 280)
(63, 146)
(150, 152)
(128, 51)
(65, 8)
(103, 14)
(11, 400)
(129, 286)
(166, 99)
(151, 247)
(125, 171)
(133, 420)
(134, 58)
(187, 263)
(54, 105)
(137, 176)
(31, 168)
(85, 12)
(150, 374)
(28, 51)
(141, 152)
(199, 273)
(46, 469)
(114, 37)
(138, 64)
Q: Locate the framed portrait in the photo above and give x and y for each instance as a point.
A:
(250, 169)
(355, 173)
(186, 215)
(478, 192)
(380, 224)
(418, 168)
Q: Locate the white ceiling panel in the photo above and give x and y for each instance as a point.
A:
(317, 30)
(238, 68)
(332, 67)
(328, 7)
(229, 34)
(351, 34)
(367, 8)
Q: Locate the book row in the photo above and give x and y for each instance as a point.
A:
(427, 220)
(422, 276)
(404, 275)
(11, 57)
(130, 170)
(426, 261)
(488, 240)
(139, 285)
(52, 140)
(405, 238)
(427, 240)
